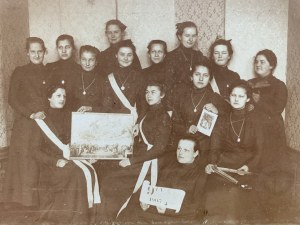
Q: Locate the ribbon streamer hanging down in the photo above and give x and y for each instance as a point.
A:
(144, 170)
(92, 195)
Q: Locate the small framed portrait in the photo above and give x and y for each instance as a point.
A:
(101, 136)
(207, 122)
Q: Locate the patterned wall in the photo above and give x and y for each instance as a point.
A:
(293, 79)
(209, 15)
(14, 30)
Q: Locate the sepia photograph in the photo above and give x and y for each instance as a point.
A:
(99, 97)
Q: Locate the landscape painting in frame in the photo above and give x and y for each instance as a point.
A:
(101, 136)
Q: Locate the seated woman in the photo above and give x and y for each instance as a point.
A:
(115, 32)
(86, 91)
(185, 172)
(191, 103)
(237, 142)
(62, 186)
(155, 128)
(221, 53)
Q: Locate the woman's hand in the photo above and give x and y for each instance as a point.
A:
(83, 109)
(61, 163)
(210, 107)
(161, 209)
(124, 163)
(244, 168)
(193, 129)
(256, 97)
(210, 168)
(38, 115)
(92, 161)
(144, 206)
(136, 130)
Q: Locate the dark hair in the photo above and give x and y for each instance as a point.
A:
(89, 48)
(192, 138)
(158, 84)
(125, 43)
(161, 42)
(116, 22)
(206, 63)
(181, 26)
(65, 37)
(227, 43)
(32, 40)
(270, 56)
(53, 89)
(243, 84)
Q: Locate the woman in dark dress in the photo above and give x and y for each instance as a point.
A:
(221, 53)
(191, 103)
(115, 32)
(157, 50)
(63, 70)
(270, 98)
(86, 90)
(62, 185)
(155, 127)
(185, 172)
(237, 142)
(27, 97)
(181, 60)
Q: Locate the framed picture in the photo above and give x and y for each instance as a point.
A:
(207, 122)
(101, 136)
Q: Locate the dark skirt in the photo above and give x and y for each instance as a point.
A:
(22, 172)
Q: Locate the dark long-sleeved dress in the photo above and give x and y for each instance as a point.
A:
(224, 199)
(185, 116)
(131, 79)
(224, 77)
(86, 90)
(190, 178)
(107, 60)
(118, 185)
(62, 191)
(27, 95)
(271, 104)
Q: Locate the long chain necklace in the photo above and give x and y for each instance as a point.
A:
(186, 59)
(85, 88)
(123, 82)
(196, 106)
(237, 134)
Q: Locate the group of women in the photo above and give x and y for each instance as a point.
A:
(166, 100)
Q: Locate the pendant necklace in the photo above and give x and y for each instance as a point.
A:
(237, 134)
(186, 59)
(85, 88)
(123, 82)
(196, 106)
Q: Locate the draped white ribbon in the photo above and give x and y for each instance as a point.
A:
(121, 96)
(214, 86)
(93, 196)
(144, 170)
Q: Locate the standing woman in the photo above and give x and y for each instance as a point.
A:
(115, 32)
(197, 97)
(27, 97)
(62, 71)
(221, 53)
(86, 89)
(181, 60)
(270, 98)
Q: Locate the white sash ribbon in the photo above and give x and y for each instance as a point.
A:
(121, 96)
(93, 196)
(144, 170)
(214, 85)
